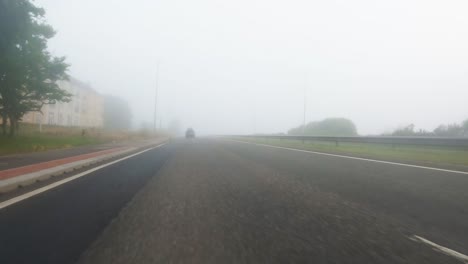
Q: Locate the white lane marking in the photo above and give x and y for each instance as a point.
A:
(354, 158)
(444, 250)
(71, 178)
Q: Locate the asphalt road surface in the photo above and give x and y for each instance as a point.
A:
(217, 201)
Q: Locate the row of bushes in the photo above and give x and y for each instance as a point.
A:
(450, 130)
(345, 127)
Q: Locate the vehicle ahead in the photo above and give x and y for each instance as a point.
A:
(190, 133)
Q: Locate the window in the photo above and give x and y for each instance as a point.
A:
(38, 118)
(59, 120)
(84, 107)
(51, 118)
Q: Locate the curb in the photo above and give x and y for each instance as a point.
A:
(13, 183)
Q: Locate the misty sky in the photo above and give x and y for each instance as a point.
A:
(231, 67)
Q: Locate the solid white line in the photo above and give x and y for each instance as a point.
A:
(74, 177)
(354, 158)
(444, 250)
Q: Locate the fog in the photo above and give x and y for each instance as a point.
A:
(239, 67)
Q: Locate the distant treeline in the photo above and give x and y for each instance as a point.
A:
(334, 127)
(343, 127)
(117, 114)
(450, 130)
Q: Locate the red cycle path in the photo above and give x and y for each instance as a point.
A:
(10, 173)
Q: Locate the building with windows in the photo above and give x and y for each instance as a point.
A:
(84, 110)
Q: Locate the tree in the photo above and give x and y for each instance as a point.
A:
(406, 131)
(117, 113)
(327, 127)
(453, 130)
(465, 128)
(28, 72)
(450, 130)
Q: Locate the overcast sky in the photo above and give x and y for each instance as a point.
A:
(229, 67)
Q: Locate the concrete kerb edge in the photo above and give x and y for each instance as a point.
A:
(33, 177)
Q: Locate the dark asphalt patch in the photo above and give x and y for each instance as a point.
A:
(56, 226)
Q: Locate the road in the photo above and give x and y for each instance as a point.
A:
(218, 201)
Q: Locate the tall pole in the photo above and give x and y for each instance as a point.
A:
(156, 97)
(254, 115)
(304, 116)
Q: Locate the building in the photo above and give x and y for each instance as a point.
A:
(84, 110)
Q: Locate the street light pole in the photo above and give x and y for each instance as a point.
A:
(304, 116)
(156, 97)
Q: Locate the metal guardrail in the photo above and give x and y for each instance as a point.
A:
(458, 142)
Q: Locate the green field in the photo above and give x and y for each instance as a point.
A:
(419, 154)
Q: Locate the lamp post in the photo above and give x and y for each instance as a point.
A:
(304, 116)
(156, 97)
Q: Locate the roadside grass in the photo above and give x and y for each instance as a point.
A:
(31, 138)
(39, 142)
(422, 154)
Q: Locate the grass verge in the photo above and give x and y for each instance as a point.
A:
(30, 138)
(419, 154)
(33, 143)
